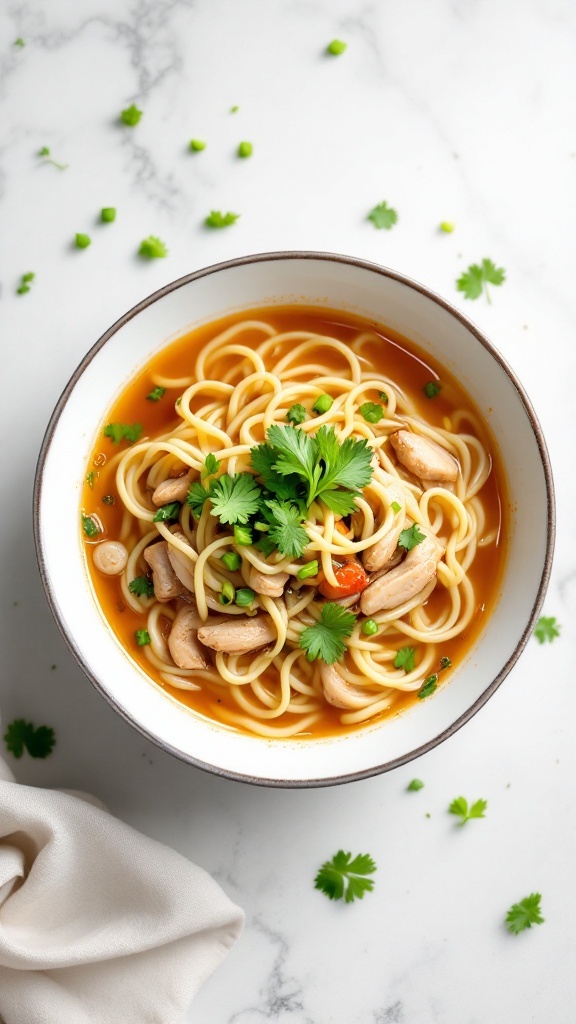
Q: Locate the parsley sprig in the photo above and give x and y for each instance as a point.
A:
(474, 281)
(346, 877)
(460, 808)
(547, 629)
(524, 914)
(20, 735)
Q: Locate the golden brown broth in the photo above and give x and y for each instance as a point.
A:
(392, 356)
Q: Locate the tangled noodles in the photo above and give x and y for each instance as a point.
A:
(295, 549)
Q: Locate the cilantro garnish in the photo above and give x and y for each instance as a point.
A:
(296, 414)
(211, 465)
(234, 498)
(476, 279)
(409, 538)
(167, 513)
(152, 248)
(141, 586)
(428, 687)
(405, 658)
(383, 216)
(415, 785)
(396, 508)
(325, 639)
(142, 637)
(286, 531)
(45, 153)
(19, 42)
(196, 497)
(90, 527)
(524, 914)
(20, 734)
(123, 432)
(547, 629)
(460, 807)
(432, 388)
(131, 115)
(344, 877)
(372, 412)
(25, 281)
(216, 219)
(155, 395)
(90, 479)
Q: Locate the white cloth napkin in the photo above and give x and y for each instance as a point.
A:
(99, 924)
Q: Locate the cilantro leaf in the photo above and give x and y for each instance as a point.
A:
(372, 412)
(234, 498)
(216, 219)
(296, 414)
(90, 477)
(295, 450)
(197, 495)
(167, 513)
(325, 639)
(263, 458)
(22, 735)
(211, 465)
(405, 658)
(524, 914)
(351, 461)
(131, 115)
(286, 530)
(123, 432)
(460, 808)
(475, 280)
(342, 503)
(547, 629)
(141, 586)
(383, 216)
(344, 877)
(409, 538)
(152, 248)
(156, 394)
(428, 687)
(142, 637)
(415, 785)
(90, 527)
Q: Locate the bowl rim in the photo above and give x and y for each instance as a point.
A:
(550, 519)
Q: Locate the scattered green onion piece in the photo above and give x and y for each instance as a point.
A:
(245, 597)
(108, 214)
(310, 569)
(152, 248)
(396, 508)
(19, 42)
(372, 412)
(447, 227)
(155, 395)
(383, 397)
(90, 479)
(242, 536)
(245, 149)
(323, 404)
(432, 388)
(197, 145)
(428, 687)
(232, 560)
(234, 110)
(336, 47)
(228, 593)
(415, 785)
(82, 241)
(131, 115)
(370, 627)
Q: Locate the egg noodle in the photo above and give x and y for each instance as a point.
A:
(228, 417)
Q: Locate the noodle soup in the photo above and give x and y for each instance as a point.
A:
(295, 522)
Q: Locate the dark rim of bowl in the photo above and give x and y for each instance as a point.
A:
(551, 518)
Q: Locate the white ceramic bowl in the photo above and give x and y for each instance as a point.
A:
(322, 280)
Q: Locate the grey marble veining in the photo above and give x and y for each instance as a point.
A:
(449, 109)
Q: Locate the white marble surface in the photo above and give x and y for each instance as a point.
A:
(449, 109)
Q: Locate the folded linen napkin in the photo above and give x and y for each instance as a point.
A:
(98, 923)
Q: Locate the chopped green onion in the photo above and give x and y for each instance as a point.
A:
(234, 110)
(336, 47)
(396, 508)
(245, 149)
(370, 627)
(447, 226)
(155, 395)
(432, 388)
(131, 115)
(310, 569)
(372, 412)
(82, 241)
(383, 397)
(244, 597)
(415, 785)
(231, 560)
(197, 145)
(152, 248)
(228, 593)
(323, 404)
(108, 214)
(242, 536)
(19, 42)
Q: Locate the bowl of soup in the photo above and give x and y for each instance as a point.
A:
(282, 515)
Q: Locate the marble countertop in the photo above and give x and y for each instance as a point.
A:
(449, 110)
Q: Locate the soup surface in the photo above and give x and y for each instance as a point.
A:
(295, 522)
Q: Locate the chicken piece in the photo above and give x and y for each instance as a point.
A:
(110, 557)
(183, 642)
(270, 586)
(338, 692)
(239, 635)
(424, 458)
(167, 586)
(375, 557)
(406, 580)
(181, 564)
(172, 489)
